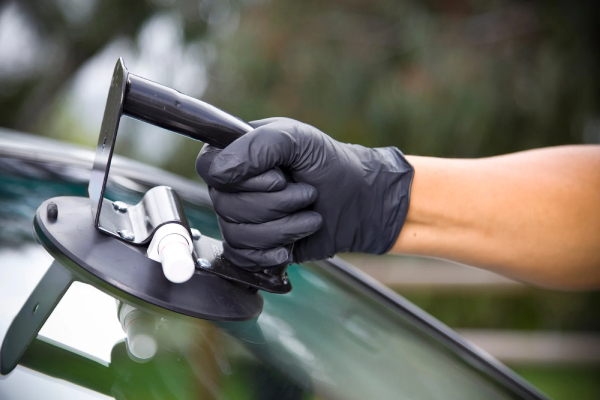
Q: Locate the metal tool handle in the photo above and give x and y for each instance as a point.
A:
(165, 107)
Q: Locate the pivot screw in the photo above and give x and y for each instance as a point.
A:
(52, 211)
(195, 234)
(203, 263)
(120, 206)
(127, 235)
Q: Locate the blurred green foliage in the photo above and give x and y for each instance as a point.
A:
(530, 309)
(436, 78)
(570, 382)
(463, 81)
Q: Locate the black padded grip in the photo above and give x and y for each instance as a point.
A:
(165, 107)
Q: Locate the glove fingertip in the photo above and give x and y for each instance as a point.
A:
(223, 169)
(313, 221)
(257, 260)
(271, 181)
(311, 193)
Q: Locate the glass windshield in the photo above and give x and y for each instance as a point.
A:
(324, 340)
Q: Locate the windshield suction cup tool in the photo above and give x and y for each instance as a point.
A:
(144, 254)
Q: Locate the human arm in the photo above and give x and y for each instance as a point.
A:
(339, 197)
(533, 215)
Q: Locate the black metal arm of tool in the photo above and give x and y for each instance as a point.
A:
(165, 107)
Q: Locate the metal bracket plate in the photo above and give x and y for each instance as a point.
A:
(104, 153)
(136, 224)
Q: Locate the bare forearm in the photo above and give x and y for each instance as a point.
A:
(533, 215)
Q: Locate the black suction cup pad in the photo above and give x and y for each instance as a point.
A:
(124, 272)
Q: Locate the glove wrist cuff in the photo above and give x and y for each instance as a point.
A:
(393, 192)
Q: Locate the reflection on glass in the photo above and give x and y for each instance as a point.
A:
(324, 340)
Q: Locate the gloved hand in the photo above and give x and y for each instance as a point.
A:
(339, 198)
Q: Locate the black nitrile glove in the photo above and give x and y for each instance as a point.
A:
(344, 197)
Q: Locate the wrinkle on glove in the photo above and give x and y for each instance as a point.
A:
(341, 198)
(261, 207)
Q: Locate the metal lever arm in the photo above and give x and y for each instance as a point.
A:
(165, 107)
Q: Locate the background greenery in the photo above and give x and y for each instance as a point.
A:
(448, 78)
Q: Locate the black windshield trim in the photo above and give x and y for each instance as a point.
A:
(472, 354)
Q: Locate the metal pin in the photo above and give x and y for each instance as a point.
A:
(127, 235)
(52, 211)
(196, 235)
(203, 263)
(120, 206)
